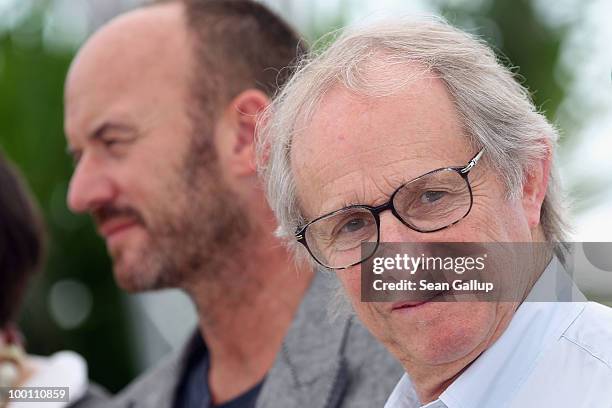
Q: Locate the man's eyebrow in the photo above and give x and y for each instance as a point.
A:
(344, 203)
(105, 127)
(99, 132)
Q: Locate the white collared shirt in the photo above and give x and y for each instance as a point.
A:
(553, 354)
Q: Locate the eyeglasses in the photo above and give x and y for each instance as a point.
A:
(428, 203)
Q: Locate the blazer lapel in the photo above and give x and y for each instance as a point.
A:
(159, 388)
(310, 370)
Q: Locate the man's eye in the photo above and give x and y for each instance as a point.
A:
(432, 196)
(353, 225)
(111, 142)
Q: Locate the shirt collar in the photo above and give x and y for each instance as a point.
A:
(498, 373)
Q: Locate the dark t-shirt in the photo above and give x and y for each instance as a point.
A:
(193, 391)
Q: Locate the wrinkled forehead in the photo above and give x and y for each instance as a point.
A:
(356, 149)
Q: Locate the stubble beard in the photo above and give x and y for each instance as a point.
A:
(194, 239)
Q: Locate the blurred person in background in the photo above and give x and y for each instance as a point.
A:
(22, 249)
(160, 112)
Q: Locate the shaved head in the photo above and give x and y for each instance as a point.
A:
(127, 56)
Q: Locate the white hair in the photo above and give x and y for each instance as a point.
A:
(496, 112)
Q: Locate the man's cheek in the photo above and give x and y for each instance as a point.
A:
(375, 321)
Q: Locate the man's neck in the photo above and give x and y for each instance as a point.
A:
(431, 381)
(244, 317)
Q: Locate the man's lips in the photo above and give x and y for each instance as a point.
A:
(113, 226)
(414, 303)
(405, 305)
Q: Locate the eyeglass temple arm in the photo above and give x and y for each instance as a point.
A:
(299, 233)
(472, 162)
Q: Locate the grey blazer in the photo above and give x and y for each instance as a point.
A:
(322, 364)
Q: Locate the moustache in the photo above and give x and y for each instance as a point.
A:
(104, 213)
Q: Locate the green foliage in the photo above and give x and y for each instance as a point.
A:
(521, 40)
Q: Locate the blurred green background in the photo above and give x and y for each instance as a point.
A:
(75, 303)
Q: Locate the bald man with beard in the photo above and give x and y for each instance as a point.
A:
(160, 112)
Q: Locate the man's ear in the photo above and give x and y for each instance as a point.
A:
(535, 186)
(244, 112)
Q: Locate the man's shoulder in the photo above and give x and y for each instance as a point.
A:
(591, 333)
(155, 387)
(372, 370)
(577, 370)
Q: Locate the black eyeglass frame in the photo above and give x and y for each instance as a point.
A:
(463, 171)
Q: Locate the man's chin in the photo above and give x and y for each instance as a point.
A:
(134, 279)
(445, 332)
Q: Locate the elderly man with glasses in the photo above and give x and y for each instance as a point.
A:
(412, 132)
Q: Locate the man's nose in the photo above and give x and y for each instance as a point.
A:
(90, 186)
(393, 230)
